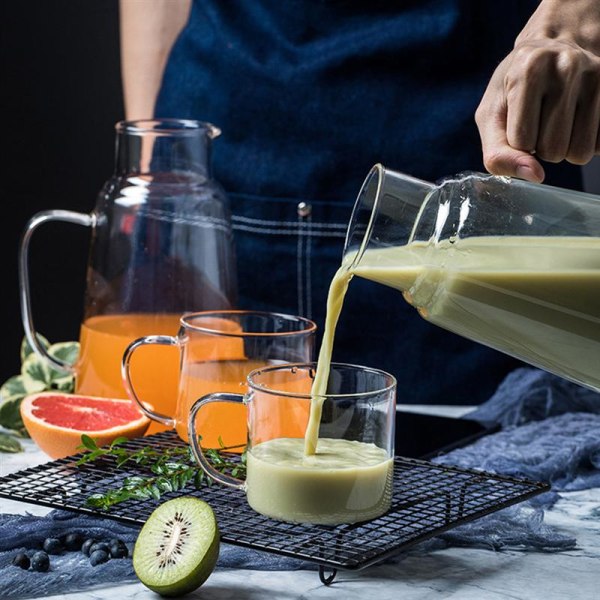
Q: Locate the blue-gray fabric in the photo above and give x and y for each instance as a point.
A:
(541, 439)
(310, 94)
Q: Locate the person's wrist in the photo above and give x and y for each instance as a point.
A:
(573, 22)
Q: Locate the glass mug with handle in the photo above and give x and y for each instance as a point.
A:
(349, 478)
(217, 351)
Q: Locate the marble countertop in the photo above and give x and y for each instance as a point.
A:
(452, 573)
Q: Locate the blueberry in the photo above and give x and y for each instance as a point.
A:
(99, 546)
(52, 546)
(85, 547)
(21, 560)
(73, 541)
(40, 562)
(118, 549)
(98, 557)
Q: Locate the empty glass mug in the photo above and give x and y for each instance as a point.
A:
(507, 263)
(217, 350)
(349, 478)
(161, 245)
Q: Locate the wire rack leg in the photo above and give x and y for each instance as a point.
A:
(326, 579)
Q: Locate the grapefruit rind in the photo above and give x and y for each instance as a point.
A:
(58, 441)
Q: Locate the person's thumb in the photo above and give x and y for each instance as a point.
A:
(499, 158)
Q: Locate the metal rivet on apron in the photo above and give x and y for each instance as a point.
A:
(304, 209)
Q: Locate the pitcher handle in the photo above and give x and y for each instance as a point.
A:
(215, 475)
(89, 220)
(164, 340)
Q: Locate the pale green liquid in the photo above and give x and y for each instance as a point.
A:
(535, 298)
(344, 482)
(335, 301)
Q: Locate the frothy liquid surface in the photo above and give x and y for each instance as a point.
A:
(344, 482)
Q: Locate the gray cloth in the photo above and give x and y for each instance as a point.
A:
(528, 395)
(551, 432)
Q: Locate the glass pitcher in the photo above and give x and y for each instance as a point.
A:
(161, 245)
(510, 264)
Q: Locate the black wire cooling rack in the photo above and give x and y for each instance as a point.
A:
(428, 499)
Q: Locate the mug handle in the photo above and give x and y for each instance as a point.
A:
(162, 340)
(215, 475)
(68, 216)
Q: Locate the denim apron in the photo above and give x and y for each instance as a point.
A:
(309, 95)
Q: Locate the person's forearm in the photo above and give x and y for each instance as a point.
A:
(148, 31)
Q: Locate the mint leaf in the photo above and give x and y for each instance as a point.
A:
(9, 444)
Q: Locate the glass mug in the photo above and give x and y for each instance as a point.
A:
(217, 350)
(510, 264)
(349, 478)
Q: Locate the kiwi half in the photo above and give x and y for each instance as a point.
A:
(178, 547)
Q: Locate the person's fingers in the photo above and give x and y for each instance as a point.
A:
(499, 157)
(563, 81)
(524, 88)
(556, 125)
(585, 135)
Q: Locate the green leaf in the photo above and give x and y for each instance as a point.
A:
(120, 440)
(38, 372)
(96, 500)
(88, 442)
(133, 481)
(65, 385)
(65, 351)
(13, 387)
(26, 349)
(35, 371)
(10, 415)
(9, 443)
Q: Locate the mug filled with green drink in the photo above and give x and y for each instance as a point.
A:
(324, 459)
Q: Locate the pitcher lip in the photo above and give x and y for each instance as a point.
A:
(181, 127)
(287, 394)
(378, 171)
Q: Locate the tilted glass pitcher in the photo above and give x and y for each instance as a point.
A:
(161, 245)
(507, 263)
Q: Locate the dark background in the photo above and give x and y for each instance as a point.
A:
(61, 95)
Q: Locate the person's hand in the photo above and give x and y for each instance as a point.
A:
(543, 100)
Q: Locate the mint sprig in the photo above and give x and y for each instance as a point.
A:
(172, 469)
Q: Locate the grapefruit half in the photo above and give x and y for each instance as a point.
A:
(56, 421)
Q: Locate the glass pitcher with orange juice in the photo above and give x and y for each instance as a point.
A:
(161, 245)
(507, 263)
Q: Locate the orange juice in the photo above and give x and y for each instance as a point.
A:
(154, 369)
(279, 414)
(224, 420)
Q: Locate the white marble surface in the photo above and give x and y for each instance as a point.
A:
(450, 574)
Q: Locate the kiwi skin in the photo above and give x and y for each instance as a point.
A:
(194, 578)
